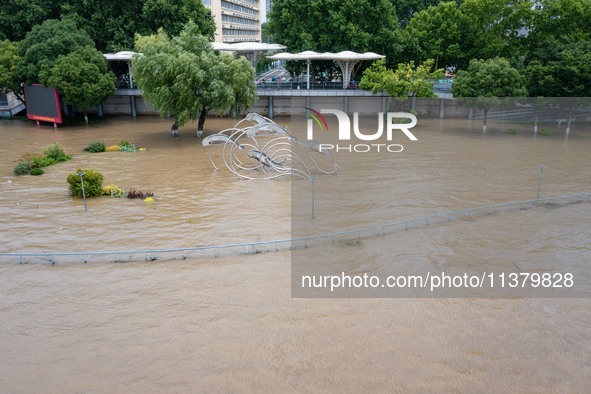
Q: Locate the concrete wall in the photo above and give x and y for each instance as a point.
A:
(285, 106)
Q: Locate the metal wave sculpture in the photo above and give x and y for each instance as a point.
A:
(256, 147)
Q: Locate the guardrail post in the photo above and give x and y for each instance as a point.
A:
(542, 166)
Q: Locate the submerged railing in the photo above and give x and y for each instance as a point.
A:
(248, 248)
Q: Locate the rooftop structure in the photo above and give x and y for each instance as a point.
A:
(346, 60)
(250, 50)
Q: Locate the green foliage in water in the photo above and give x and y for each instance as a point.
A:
(37, 171)
(56, 153)
(96, 147)
(93, 182)
(21, 168)
(512, 130)
(39, 162)
(128, 148)
(546, 131)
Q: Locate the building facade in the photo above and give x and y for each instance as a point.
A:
(236, 20)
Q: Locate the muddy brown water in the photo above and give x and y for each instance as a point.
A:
(229, 323)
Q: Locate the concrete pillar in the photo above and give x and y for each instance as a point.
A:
(384, 101)
(99, 110)
(346, 105)
(132, 104)
(441, 109)
(308, 102)
(471, 113)
(413, 103)
(271, 110)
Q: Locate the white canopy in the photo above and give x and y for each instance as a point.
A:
(123, 55)
(250, 50)
(346, 60)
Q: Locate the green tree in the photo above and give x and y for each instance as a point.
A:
(406, 9)
(172, 15)
(45, 43)
(439, 33)
(8, 61)
(406, 81)
(561, 20)
(83, 77)
(497, 27)
(184, 76)
(336, 25)
(17, 17)
(110, 23)
(484, 82)
(565, 74)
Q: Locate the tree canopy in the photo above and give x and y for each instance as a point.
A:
(8, 60)
(440, 33)
(82, 76)
(45, 43)
(485, 81)
(407, 80)
(336, 25)
(110, 23)
(184, 76)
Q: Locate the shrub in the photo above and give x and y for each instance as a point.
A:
(37, 171)
(124, 143)
(128, 148)
(93, 182)
(22, 168)
(96, 147)
(139, 194)
(56, 152)
(113, 191)
(42, 161)
(512, 130)
(546, 131)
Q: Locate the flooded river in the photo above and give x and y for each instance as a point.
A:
(229, 323)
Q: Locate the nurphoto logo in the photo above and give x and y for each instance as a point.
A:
(345, 130)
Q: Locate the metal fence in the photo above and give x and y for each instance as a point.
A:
(249, 248)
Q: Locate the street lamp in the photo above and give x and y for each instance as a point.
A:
(81, 174)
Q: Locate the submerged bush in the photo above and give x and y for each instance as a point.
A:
(113, 191)
(37, 171)
(546, 131)
(96, 147)
(512, 130)
(56, 153)
(139, 194)
(39, 162)
(128, 148)
(22, 168)
(93, 182)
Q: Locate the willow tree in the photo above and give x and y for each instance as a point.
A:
(185, 77)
